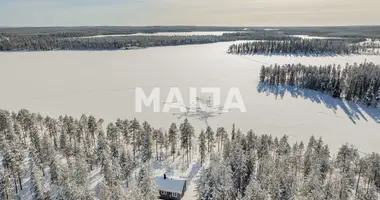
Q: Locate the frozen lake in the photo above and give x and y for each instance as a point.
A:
(194, 33)
(314, 37)
(102, 83)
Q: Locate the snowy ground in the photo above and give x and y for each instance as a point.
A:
(370, 42)
(195, 33)
(3, 38)
(103, 83)
(314, 37)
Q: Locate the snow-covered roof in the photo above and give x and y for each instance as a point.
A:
(170, 184)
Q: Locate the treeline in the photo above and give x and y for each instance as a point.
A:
(112, 30)
(253, 167)
(299, 46)
(259, 35)
(46, 43)
(58, 156)
(75, 41)
(353, 82)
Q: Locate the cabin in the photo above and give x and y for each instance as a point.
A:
(171, 188)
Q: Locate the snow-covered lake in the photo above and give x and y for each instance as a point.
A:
(103, 83)
(195, 33)
(314, 37)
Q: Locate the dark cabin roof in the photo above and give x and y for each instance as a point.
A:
(170, 184)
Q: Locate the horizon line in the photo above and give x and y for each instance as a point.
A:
(217, 26)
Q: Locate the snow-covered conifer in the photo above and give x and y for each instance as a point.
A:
(146, 182)
(202, 146)
(173, 137)
(210, 138)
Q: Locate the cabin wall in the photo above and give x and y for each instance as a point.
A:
(168, 196)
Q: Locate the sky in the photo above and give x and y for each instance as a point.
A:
(189, 12)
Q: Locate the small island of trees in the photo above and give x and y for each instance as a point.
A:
(299, 46)
(353, 82)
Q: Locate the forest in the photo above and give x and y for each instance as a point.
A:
(275, 42)
(76, 41)
(56, 156)
(353, 82)
(301, 47)
(71, 38)
(80, 31)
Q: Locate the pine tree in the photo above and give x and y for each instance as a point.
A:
(134, 129)
(173, 135)
(238, 165)
(6, 186)
(126, 164)
(146, 152)
(162, 140)
(215, 181)
(64, 188)
(344, 161)
(80, 174)
(224, 182)
(146, 183)
(102, 148)
(314, 186)
(36, 182)
(254, 191)
(233, 133)
(308, 157)
(54, 169)
(116, 186)
(202, 146)
(155, 137)
(123, 126)
(251, 165)
(114, 138)
(369, 98)
(220, 133)
(133, 191)
(187, 133)
(106, 192)
(47, 150)
(226, 149)
(262, 74)
(63, 142)
(377, 97)
(166, 144)
(210, 138)
(92, 127)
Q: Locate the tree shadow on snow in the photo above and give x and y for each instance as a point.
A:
(354, 111)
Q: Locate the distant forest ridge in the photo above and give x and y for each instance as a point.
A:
(79, 38)
(341, 31)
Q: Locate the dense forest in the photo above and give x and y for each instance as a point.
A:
(74, 38)
(300, 46)
(353, 82)
(252, 167)
(56, 157)
(76, 41)
(327, 31)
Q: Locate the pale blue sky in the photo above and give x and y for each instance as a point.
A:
(189, 12)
